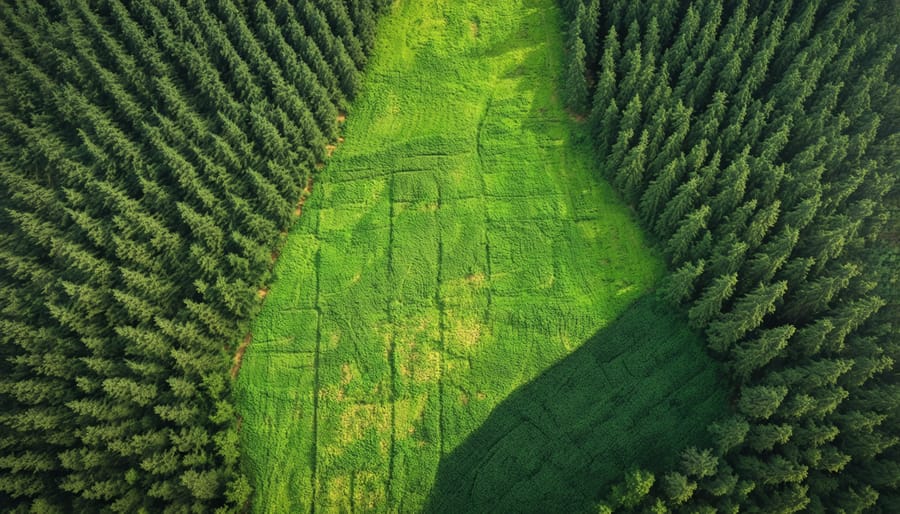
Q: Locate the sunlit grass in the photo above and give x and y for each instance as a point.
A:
(457, 246)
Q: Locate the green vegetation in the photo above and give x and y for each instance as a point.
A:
(759, 142)
(457, 246)
(553, 444)
(471, 310)
(150, 154)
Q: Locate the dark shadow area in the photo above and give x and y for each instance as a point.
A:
(636, 393)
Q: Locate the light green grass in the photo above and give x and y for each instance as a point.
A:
(457, 246)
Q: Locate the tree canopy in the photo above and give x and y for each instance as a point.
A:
(758, 142)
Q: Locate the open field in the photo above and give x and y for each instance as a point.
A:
(454, 318)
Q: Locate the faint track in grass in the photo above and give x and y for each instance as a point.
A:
(439, 301)
(392, 357)
(316, 386)
(479, 151)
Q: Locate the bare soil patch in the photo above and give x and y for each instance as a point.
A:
(303, 196)
(239, 355)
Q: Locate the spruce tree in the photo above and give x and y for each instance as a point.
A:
(747, 314)
(679, 286)
(710, 302)
(576, 72)
(754, 353)
(691, 227)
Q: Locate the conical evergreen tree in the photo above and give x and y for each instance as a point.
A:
(577, 94)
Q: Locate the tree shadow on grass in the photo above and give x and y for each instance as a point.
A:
(636, 393)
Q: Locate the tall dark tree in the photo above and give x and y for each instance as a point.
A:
(576, 69)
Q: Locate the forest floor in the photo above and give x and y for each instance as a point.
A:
(461, 314)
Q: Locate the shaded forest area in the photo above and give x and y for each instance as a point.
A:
(758, 141)
(151, 156)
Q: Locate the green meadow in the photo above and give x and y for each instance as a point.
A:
(462, 317)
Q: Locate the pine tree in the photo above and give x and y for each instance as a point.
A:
(814, 296)
(728, 256)
(658, 193)
(679, 285)
(685, 199)
(746, 314)
(590, 30)
(605, 91)
(576, 72)
(709, 305)
(708, 123)
(689, 229)
(629, 176)
(760, 402)
(680, 121)
(634, 489)
(632, 67)
(755, 353)
(763, 266)
(762, 222)
(729, 433)
(699, 463)
(678, 488)
(732, 187)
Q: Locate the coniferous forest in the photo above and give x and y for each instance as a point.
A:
(758, 142)
(720, 176)
(152, 152)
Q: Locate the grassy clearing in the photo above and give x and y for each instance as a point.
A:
(457, 246)
(633, 393)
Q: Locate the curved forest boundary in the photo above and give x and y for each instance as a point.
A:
(758, 142)
(152, 154)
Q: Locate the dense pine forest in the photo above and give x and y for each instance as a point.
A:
(154, 155)
(758, 141)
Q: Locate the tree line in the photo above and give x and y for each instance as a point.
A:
(758, 142)
(151, 154)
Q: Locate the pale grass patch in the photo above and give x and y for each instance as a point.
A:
(359, 418)
(369, 492)
(463, 332)
(476, 279)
